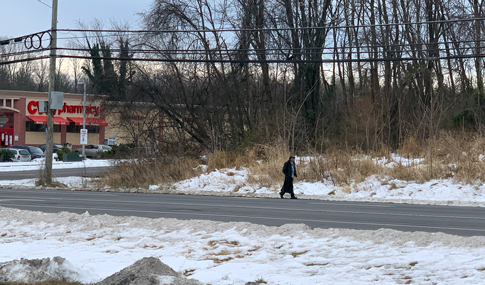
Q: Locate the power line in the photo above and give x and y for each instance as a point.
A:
(21, 53)
(23, 60)
(236, 61)
(44, 4)
(249, 61)
(156, 32)
(271, 29)
(6, 41)
(275, 55)
(35, 41)
(349, 48)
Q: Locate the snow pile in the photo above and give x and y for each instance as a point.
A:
(224, 180)
(232, 182)
(236, 253)
(39, 270)
(148, 270)
(39, 163)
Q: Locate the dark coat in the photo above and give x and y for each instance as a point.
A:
(287, 169)
(288, 184)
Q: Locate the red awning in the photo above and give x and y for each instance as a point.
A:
(42, 120)
(89, 121)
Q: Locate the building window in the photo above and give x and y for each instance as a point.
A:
(72, 128)
(31, 127)
(10, 122)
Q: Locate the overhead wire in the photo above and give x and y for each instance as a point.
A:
(239, 61)
(273, 29)
(35, 41)
(44, 3)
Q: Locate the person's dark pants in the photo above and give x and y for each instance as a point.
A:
(287, 186)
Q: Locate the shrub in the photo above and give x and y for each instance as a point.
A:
(118, 152)
(62, 151)
(5, 155)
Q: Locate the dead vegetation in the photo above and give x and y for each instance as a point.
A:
(145, 172)
(452, 155)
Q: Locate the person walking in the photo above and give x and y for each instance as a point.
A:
(289, 169)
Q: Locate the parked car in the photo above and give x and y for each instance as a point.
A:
(20, 155)
(34, 151)
(55, 147)
(93, 150)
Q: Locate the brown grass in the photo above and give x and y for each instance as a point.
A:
(455, 155)
(146, 172)
(225, 159)
(267, 163)
(451, 155)
(298, 253)
(341, 167)
(407, 173)
(411, 148)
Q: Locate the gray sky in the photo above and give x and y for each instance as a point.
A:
(23, 17)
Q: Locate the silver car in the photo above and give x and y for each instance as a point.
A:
(20, 155)
(93, 150)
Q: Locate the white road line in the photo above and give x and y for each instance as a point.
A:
(275, 208)
(377, 204)
(20, 199)
(264, 207)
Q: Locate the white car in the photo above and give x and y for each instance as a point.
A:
(22, 155)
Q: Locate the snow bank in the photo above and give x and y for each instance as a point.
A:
(236, 253)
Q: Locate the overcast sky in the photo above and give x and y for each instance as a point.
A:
(23, 17)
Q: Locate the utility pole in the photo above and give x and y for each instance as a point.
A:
(84, 118)
(50, 112)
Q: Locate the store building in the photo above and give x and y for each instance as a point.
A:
(27, 124)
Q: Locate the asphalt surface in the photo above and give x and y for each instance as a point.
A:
(28, 174)
(464, 221)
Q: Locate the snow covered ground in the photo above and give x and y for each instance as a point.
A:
(37, 164)
(235, 253)
(70, 182)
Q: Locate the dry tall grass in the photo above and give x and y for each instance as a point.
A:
(459, 155)
(452, 155)
(339, 166)
(145, 172)
(266, 169)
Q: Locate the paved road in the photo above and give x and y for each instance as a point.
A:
(465, 221)
(27, 174)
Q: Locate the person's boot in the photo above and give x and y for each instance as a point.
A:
(293, 197)
(281, 195)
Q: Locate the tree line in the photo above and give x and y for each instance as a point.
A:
(310, 73)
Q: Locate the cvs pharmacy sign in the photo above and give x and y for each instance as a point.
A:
(33, 108)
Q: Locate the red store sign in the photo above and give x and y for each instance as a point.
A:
(33, 108)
